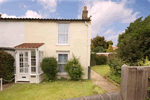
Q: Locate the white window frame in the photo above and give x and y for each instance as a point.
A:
(63, 33)
(62, 73)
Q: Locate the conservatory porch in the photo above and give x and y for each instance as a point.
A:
(28, 57)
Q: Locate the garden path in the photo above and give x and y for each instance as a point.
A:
(103, 83)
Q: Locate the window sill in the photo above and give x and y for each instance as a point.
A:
(62, 73)
(62, 44)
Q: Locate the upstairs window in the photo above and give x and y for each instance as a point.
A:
(63, 33)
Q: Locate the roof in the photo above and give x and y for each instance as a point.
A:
(41, 19)
(29, 45)
(114, 48)
(7, 48)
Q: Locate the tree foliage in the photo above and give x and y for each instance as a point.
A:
(99, 41)
(99, 49)
(135, 42)
(49, 67)
(6, 65)
(74, 69)
(110, 48)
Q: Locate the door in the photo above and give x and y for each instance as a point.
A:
(23, 74)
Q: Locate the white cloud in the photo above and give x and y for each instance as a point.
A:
(1, 1)
(22, 6)
(105, 13)
(50, 5)
(109, 31)
(28, 14)
(32, 14)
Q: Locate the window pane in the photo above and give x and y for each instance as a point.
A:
(61, 67)
(21, 70)
(26, 54)
(63, 28)
(26, 59)
(32, 54)
(62, 57)
(33, 64)
(26, 70)
(62, 38)
(33, 69)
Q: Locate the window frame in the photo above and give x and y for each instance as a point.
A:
(57, 43)
(63, 52)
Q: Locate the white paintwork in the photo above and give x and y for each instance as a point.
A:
(41, 48)
(37, 60)
(20, 75)
(11, 33)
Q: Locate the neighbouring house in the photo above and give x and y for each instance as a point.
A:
(9, 50)
(114, 48)
(60, 38)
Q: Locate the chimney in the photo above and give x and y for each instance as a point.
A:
(85, 13)
(0, 15)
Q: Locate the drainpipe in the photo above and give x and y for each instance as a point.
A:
(87, 44)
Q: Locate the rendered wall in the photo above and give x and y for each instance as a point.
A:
(46, 32)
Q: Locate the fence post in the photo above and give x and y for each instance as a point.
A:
(1, 84)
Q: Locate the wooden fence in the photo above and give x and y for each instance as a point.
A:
(134, 82)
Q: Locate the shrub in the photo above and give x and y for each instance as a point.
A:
(92, 61)
(6, 65)
(99, 49)
(115, 64)
(115, 78)
(49, 67)
(74, 69)
(110, 49)
(101, 59)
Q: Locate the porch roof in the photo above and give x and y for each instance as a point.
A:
(29, 45)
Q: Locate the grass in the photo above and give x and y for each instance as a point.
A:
(104, 71)
(49, 90)
(101, 69)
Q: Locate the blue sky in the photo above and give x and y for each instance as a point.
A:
(109, 17)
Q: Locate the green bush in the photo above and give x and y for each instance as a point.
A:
(74, 69)
(92, 61)
(99, 49)
(110, 49)
(115, 78)
(101, 59)
(115, 65)
(49, 67)
(6, 65)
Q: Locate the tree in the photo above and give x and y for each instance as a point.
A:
(133, 45)
(109, 43)
(110, 48)
(99, 49)
(99, 41)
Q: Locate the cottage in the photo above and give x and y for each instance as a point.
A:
(58, 38)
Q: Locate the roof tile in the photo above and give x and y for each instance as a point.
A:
(29, 45)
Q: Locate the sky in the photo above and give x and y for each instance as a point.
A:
(109, 17)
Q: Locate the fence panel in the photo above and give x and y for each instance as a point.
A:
(134, 82)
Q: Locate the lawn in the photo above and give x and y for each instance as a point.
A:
(101, 69)
(48, 90)
(104, 70)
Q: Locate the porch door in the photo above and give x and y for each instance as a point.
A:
(23, 66)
